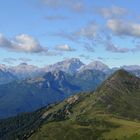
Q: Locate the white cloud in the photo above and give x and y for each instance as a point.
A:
(111, 47)
(124, 28)
(4, 42)
(64, 48)
(113, 11)
(21, 43)
(89, 31)
(86, 36)
(115, 49)
(75, 5)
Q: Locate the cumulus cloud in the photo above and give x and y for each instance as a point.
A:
(124, 28)
(85, 35)
(112, 12)
(75, 5)
(4, 42)
(21, 43)
(88, 32)
(64, 48)
(111, 47)
(92, 35)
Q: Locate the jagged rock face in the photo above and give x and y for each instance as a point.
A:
(57, 80)
(68, 65)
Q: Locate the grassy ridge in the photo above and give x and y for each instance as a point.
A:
(87, 123)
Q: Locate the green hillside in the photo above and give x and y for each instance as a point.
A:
(120, 95)
(111, 113)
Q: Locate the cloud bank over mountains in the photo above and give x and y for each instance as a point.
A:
(124, 28)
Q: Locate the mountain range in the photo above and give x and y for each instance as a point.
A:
(15, 97)
(23, 70)
(71, 66)
(112, 112)
(26, 85)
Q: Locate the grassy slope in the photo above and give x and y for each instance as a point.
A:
(120, 95)
(92, 124)
(69, 131)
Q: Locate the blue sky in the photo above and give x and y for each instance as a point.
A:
(42, 32)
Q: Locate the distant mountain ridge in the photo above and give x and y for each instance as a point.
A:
(95, 65)
(71, 66)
